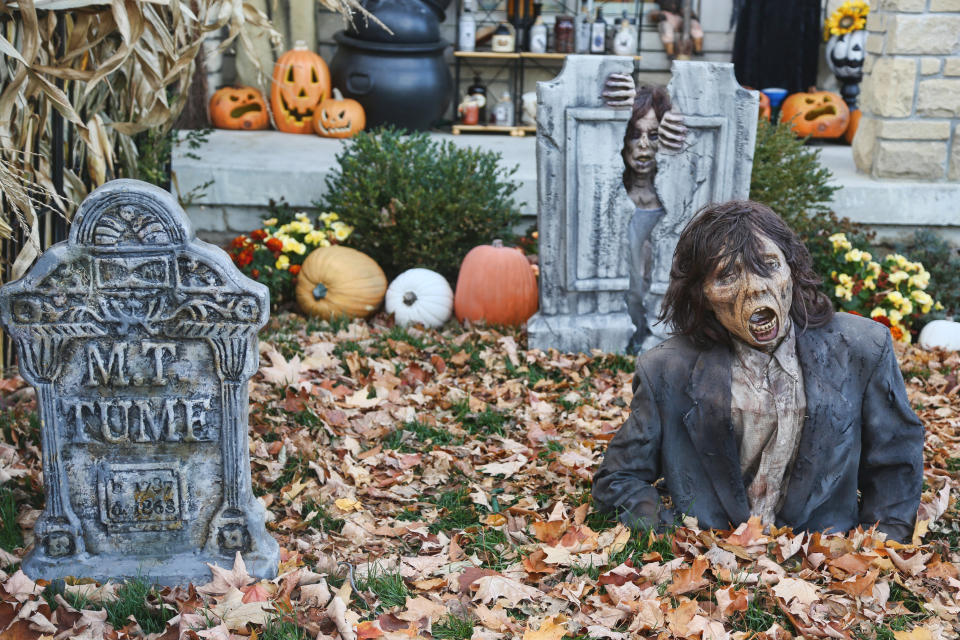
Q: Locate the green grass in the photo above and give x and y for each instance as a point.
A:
(618, 362)
(487, 422)
(279, 629)
(642, 542)
(132, 600)
(387, 585)
(10, 535)
(319, 518)
(457, 511)
(490, 546)
(421, 433)
(454, 628)
(759, 616)
(400, 334)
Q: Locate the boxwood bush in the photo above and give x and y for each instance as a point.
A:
(416, 202)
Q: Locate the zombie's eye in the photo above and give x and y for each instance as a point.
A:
(772, 262)
(727, 278)
(653, 136)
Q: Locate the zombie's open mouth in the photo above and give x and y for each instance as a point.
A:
(293, 113)
(764, 325)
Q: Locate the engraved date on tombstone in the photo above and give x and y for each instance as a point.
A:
(141, 497)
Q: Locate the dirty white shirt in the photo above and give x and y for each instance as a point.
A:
(767, 406)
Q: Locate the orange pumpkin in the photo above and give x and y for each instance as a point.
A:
(496, 285)
(339, 117)
(238, 108)
(852, 127)
(301, 80)
(764, 104)
(818, 114)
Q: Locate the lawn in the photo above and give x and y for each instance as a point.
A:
(437, 484)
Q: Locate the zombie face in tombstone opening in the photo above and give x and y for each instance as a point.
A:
(739, 271)
(640, 147)
(753, 306)
(642, 136)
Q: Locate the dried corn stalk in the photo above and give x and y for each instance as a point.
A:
(126, 67)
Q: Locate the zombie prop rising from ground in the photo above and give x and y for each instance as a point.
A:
(764, 403)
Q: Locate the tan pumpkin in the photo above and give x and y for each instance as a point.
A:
(340, 281)
(496, 285)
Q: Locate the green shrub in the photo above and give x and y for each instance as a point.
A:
(415, 202)
(788, 177)
(943, 263)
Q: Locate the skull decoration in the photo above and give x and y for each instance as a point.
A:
(845, 55)
(238, 108)
(339, 117)
(301, 80)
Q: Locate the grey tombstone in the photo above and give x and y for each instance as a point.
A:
(583, 208)
(714, 166)
(582, 211)
(140, 340)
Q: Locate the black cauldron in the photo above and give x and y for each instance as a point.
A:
(404, 84)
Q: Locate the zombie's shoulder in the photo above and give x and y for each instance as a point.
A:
(671, 360)
(857, 338)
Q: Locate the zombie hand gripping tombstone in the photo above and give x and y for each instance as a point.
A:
(651, 126)
(764, 402)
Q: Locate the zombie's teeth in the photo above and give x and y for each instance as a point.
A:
(766, 327)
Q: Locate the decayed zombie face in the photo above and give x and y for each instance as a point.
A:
(639, 152)
(752, 307)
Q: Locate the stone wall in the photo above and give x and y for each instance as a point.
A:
(911, 92)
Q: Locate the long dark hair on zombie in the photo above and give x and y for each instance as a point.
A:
(648, 97)
(721, 233)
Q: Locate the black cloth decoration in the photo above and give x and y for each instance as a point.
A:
(778, 44)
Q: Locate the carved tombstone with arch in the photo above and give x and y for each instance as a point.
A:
(139, 340)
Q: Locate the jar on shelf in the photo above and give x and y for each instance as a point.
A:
(564, 34)
(504, 38)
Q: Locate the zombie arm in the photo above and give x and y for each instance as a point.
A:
(623, 485)
(619, 90)
(891, 458)
(671, 132)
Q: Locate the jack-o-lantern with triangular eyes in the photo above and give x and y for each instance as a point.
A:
(301, 81)
(339, 117)
(818, 114)
(238, 108)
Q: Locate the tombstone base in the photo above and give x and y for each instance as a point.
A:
(608, 332)
(175, 570)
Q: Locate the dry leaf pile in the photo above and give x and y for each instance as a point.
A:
(426, 484)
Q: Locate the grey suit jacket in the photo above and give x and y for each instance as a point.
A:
(860, 434)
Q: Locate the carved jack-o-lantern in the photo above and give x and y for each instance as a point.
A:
(301, 80)
(818, 114)
(339, 117)
(238, 108)
(764, 104)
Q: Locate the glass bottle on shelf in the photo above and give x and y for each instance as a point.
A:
(582, 29)
(625, 38)
(503, 111)
(538, 36)
(598, 33)
(563, 34)
(467, 35)
(478, 92)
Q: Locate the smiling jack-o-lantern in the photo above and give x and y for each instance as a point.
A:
(238, 108)
(301, 80)
(818, 114)
(339, 117)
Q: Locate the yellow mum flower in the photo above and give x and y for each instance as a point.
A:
(937, 306)
(865, 256)
(899, 276)
(854, 255)
(283, 263)
(869, 283)
(921, 297)
(269, 223)
(875, 268)
(843, 293)
(329, 217)
(906, 308)
(895, 316)
(900, 260)
(895, 298)
(315, 237)
(877, 312)
(919, 281)
(341, 231)
(845, 279)
(301, 215)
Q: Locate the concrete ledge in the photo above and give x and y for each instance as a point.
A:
(248, 168)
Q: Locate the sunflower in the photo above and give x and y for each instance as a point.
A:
(850, 16)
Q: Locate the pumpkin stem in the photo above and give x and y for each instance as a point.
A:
(409, 298)
(320, 292)
(300, 45)
(336, 94)
(497, 243)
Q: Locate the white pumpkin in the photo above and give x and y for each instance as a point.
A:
(942, 334)
(420, 295)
